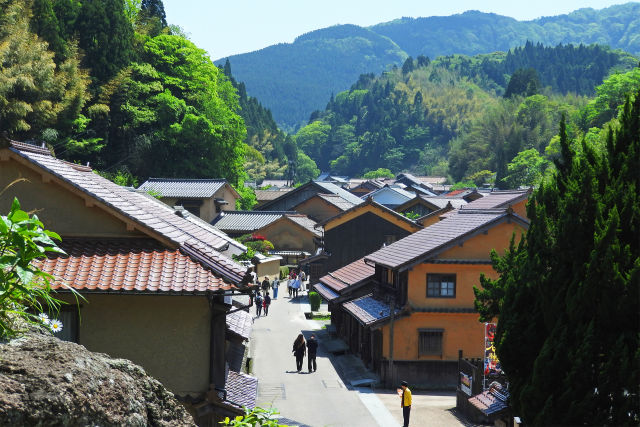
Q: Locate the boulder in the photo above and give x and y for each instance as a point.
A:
(46, 381)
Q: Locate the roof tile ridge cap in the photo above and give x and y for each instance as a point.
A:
(6, 142)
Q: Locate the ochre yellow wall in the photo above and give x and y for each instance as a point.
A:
(520, 208)
(462, 331)
(317, 209)
(480, 245)
(61, 208)
(169, 336)
(287, 236)
(270, 269)
(376, 211)
(467, 276)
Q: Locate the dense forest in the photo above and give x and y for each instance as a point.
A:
(472, 118)
(151, 103)
(306, 72)
(145, 102)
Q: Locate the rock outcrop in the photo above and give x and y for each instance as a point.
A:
(46, 381)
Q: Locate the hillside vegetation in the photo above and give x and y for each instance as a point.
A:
(294, 79)
(477, 119)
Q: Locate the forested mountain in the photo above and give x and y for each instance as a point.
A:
(294, 79)
(465, 116)
(111, 83)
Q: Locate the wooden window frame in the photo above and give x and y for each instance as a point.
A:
(426, 345)
(438, 278)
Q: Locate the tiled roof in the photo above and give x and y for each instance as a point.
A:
(370, 201)
(442, 202)
(334, 189)
(491, 401)
(242, 389)
(240, 323)
(435, 237)
(305, 222)
(498, 199)
(246, 221)
(405, 194)
(204, 224)
(337, 201)
(128, 265)
(149, 215)
(348, 275)
(263, 195)
(368, 310)
(184, 188)
(325, 292)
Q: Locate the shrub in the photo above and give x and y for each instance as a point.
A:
(314, 300)
(284, 272)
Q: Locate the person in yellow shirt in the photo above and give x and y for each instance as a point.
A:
(405, 402)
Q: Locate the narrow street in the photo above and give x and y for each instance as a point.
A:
(322, 399)
(317, 399)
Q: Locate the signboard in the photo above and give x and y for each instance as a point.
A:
(465, 383)
(491, 362)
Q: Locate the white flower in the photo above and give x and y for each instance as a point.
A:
(43, 318)
(55, 325)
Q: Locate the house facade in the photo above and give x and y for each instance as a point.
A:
(205, 198)
(155, 287)
(345, 239)
(420, 313)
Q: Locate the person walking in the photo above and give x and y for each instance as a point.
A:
(266, 303)
(265, 284)
(405, 402)
(274, 285)
(312, 348)
(258, 303)
(298, 351)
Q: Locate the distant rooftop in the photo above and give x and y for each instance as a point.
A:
(184, 188)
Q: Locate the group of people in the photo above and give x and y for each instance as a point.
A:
(295, 283)
(300, 348)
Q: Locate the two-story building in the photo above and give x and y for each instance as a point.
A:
(420, 313)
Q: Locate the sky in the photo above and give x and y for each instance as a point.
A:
(229, 27)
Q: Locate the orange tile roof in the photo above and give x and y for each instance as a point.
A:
(151, 216)
(128, 265)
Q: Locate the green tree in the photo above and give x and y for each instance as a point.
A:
(35, 94)
(105, 35)
(306, 169)
(524, 82)
(568, 298)
(378, 173)
(526, 169)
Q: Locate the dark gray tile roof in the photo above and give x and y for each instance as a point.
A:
(262, 195)
(305, 222)
(334, 189)
(498, 199)
(240, 323)
(184, 188)
(325, 292)
(348, 275)
(242, 389)
(337, 201)
(368, 310)
(369, 201)
(150, 215)
(246, 221)
(438, 236)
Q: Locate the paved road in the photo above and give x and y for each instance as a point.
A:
(322, 398)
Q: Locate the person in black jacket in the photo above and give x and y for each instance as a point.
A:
(299, 351)
(312, 349)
